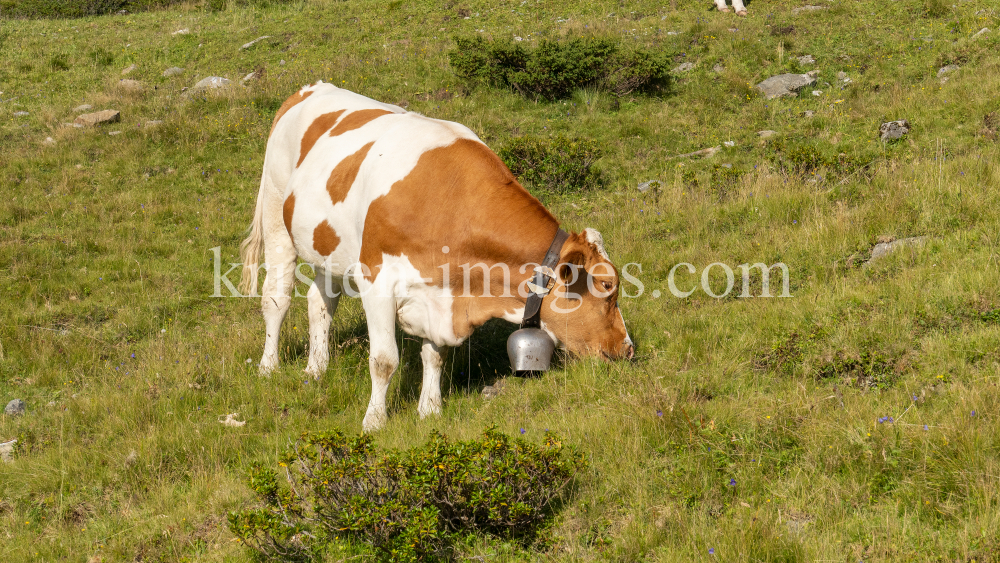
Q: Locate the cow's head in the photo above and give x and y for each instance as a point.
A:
(582, 311)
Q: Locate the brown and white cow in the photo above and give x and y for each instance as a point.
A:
(404, 208)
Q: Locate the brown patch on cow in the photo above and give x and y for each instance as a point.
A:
(325, 239)
(286, 212)
(500, 223)
(291, 102)
(320, 125)
(344, 173)
(357, 119)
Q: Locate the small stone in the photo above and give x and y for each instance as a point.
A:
(21, 114)
(153, 123)
(51, 404)
(797, 11)
(946, 69)
(113, 133)
(729, 143)
(817, 92)
(173, 71)
(131, 458)
(98, 118)
(673, 33)
(493, 391)
(516, 38)
(16, 407)
(785, 85)
(7, 451)
(806, 60)
(982, 31)
(84, 107)
(254, 42)
(281, 62)
(893, 130)
(767, 133)
(684, 67)
(718, 69)
(883, 249)
(650, 184)
(209, 83)
(49, 141)
(841, 75)
(230, 420)
(129, 69)
(129, 85)
(808, 113)
(184, 31)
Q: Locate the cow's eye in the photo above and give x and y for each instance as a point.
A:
(607, 285)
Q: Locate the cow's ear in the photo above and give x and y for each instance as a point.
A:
(568, 261)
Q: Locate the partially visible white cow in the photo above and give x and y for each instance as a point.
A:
(737, 5)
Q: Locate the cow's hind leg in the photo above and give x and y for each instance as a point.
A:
(380, 311)
(279, 255)
(432, 358)
(721, 5)
(323, 296)
(739, 7)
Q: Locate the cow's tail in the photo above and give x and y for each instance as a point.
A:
(252, 247)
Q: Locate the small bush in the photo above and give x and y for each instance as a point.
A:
(557, 164)
(553, 69)
(407, 506)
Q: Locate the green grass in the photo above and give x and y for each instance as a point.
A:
(106, 251)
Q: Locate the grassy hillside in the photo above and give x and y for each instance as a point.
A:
(748, 430)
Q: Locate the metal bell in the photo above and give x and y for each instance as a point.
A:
(530, 349)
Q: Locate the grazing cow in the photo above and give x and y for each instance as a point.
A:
(737, 5)
(425, 223)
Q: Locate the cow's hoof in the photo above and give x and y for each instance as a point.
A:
(724, 10)
(430, 408)
(742, 13)
(373, 422)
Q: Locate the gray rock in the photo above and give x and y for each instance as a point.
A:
(766, 134)
(808, 113)
(21, 114)
(129, 85)
(129, 69)
(797, 11)
(113, 133)
(841, 75)
(785, 85)
(684, 67)
(817, 92)
(208, 84)
(98, 118)
(7, 451)
(254, 42)
(884, 249)
(84, 107)
(252, 76)
(946, 70)
(173, 71)
(49, 141)
(16, 407)
(718, 69)
(982, 31)
(281, 62)
(806, 60)
(184, 31)
(651, 184)
(492, 391)
(153, 123)
(893, 130)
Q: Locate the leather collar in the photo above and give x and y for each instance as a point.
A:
(539, 286)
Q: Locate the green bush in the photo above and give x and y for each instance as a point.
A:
(556, 164)
(407, 506)
(83, 8)
(553, 69)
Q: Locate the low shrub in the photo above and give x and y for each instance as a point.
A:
(405, 506)
(554, 164)
(554, 69)
(84, 8)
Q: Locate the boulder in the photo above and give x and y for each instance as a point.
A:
(208, 84)
(98, 118)
(16, 407)
(806, 60)
(893, 130)
(129, 85)
(884, 249)
(785, 85)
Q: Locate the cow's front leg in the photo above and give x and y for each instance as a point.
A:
(432, 358)
(721, 5)
(383, 358)
(323, 296)
(739, 7)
